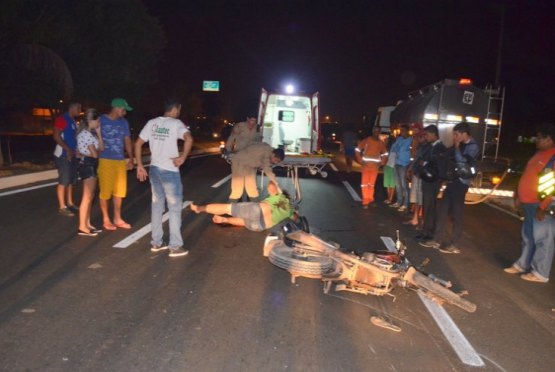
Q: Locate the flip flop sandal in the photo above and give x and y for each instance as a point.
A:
(109, 226)
(381, 322)
(123, 225)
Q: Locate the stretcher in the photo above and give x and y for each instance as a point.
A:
(293, 162)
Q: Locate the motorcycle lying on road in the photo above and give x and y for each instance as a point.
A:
(377, 273)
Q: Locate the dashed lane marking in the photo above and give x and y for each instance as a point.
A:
(222, 181)
(145, 230)
(351, 191)
(452, 333)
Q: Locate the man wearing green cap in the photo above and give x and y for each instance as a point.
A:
(112, 166)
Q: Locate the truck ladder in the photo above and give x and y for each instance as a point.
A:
(494, 119)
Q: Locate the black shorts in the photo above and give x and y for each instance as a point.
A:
(88, 168)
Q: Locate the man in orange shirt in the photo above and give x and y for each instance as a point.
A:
(371, 154)
(538, 230)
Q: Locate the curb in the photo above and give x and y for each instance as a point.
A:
(52, 174)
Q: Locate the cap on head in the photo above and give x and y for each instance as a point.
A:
(121, 103)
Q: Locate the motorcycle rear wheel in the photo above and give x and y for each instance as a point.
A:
(436, 289)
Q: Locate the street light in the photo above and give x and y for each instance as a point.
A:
(289, 89)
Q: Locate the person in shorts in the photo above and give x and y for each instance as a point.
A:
(65, 128)
(112, 165)
(89, 145)
(255, 216)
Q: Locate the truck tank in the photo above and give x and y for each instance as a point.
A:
(445, 104)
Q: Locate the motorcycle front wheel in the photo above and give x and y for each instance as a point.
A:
(436, 289)
(288, 258)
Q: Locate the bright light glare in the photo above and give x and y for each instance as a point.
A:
(289, 88)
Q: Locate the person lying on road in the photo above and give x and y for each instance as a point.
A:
(257, 216)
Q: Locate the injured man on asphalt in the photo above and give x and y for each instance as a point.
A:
(254, 216)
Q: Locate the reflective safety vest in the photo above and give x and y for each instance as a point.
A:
(546, 183)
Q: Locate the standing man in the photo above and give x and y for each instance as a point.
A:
(538, 230)
(371, 154)
(430, 180)
(65, 129)
(452, 204)
(163, 134)
(244, 166)
(112, 165)
(401, 148)
(243, 134)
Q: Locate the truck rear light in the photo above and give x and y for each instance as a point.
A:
(465, 81)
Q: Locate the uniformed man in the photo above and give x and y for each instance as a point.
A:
(243, 134)
(244, 166)
(371, 153)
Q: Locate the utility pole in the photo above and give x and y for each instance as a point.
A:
(499, 48)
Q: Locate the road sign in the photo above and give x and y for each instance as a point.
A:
(210, 86)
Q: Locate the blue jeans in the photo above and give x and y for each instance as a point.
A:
(166, 186)
(538, 243)
(401, 186)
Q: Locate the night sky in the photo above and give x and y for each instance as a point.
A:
(358, 54)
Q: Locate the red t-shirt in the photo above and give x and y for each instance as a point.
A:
(528, 184)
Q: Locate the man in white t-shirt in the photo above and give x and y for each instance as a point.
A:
(162, 134)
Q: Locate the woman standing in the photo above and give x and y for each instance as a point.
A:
(89, 145)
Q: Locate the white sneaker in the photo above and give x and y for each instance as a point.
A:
(402, 208)
(156, 248)
(178, 252)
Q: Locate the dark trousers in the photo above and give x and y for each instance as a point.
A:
(452, 205)
(429, 205)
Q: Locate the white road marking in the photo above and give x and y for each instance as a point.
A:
(353, 193)
(28, 189)
(452, 333)
(147, 159)
(145, 230)
(222, 181)
(334, 167)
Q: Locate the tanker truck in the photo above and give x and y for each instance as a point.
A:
(452, 101)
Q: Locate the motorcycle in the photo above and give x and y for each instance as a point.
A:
(303, 254)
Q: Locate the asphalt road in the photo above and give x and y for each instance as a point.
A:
(77, 303)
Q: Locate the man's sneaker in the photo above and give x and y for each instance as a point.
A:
(178, 252)
(66, 212)
(395, 205)
(429, 244)
(449, 249)
(73, 208)
(531, 277)
(513, 270)
(158, 248)
(402, 208)
(364, 206)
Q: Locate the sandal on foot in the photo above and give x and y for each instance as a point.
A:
(109, 226)
(122, 225)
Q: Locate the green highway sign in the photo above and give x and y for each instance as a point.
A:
(210, 86)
